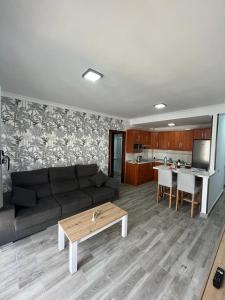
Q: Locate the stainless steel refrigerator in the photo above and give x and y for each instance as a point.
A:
(201, 154)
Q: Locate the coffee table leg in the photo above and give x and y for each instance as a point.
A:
(124, 226)
(61, 238)
(73, 257)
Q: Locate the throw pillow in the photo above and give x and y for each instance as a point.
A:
(24, 197)
(99, 179)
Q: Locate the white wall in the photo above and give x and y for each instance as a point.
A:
(216, 182)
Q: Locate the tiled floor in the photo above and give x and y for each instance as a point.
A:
(165, 256)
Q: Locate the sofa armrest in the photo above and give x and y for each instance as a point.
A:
(112, 183)
(7, 217)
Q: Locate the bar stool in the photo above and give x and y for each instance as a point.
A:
(166, 180)
(187, 183)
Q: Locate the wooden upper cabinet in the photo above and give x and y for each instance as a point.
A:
(150, 139)
(208, 133)
(133, 137)
(129, 141)
(187, 140)
(183, 140)
(145, 137)
(175, 140)
(137, 137)
(163, 140)
(166, 140)
(202, 134)
(154, 140)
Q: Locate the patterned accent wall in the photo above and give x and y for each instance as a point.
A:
(36, 136)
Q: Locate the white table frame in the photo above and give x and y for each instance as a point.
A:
(73, 246)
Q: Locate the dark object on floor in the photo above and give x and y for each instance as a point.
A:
(218, 278)
(59, 192)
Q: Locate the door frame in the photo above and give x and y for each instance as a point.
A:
(111, 150)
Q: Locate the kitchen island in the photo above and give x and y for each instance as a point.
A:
(205, 175)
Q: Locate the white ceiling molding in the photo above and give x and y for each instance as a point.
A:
(188, 113)
(178, 128)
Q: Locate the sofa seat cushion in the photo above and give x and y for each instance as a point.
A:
(101, 194)
(46, 209)
(72, 202)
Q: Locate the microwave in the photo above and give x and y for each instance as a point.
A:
(138, 148)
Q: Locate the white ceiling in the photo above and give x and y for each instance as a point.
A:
(180, 124)
(149, 52)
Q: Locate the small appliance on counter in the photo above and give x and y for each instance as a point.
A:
(139, 158)
(178, 164)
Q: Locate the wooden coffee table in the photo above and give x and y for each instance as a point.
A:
(80, 227)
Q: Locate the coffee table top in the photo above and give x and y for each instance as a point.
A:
(81, 225)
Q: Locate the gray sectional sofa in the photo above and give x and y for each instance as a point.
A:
(41, 197)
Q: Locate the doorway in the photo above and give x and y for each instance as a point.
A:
(117, 154)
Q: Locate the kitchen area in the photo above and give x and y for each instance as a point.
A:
(147, 149)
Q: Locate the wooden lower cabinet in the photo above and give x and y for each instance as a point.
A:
(139, 173)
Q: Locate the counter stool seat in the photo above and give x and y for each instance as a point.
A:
(186, 183)
(166, 179)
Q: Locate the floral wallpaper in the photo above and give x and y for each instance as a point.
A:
(36, 136)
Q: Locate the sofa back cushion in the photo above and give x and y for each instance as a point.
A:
(62, 179)
(36, 180)
(24, 197)
(84, 173)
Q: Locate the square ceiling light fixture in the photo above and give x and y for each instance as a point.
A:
(92, 75)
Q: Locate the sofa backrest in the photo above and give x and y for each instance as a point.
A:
(63, 179)
(36, 180)
(84, 172)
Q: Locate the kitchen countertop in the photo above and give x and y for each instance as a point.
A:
(144, 161)
(192, 171)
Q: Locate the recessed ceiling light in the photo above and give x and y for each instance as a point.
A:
(92, 75)
(171, 124)
(160, 105)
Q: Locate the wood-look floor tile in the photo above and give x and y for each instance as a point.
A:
(164, 257)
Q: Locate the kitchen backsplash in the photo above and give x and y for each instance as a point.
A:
(37, 136)
(186, 156)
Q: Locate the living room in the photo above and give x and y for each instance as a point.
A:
(112, 150)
